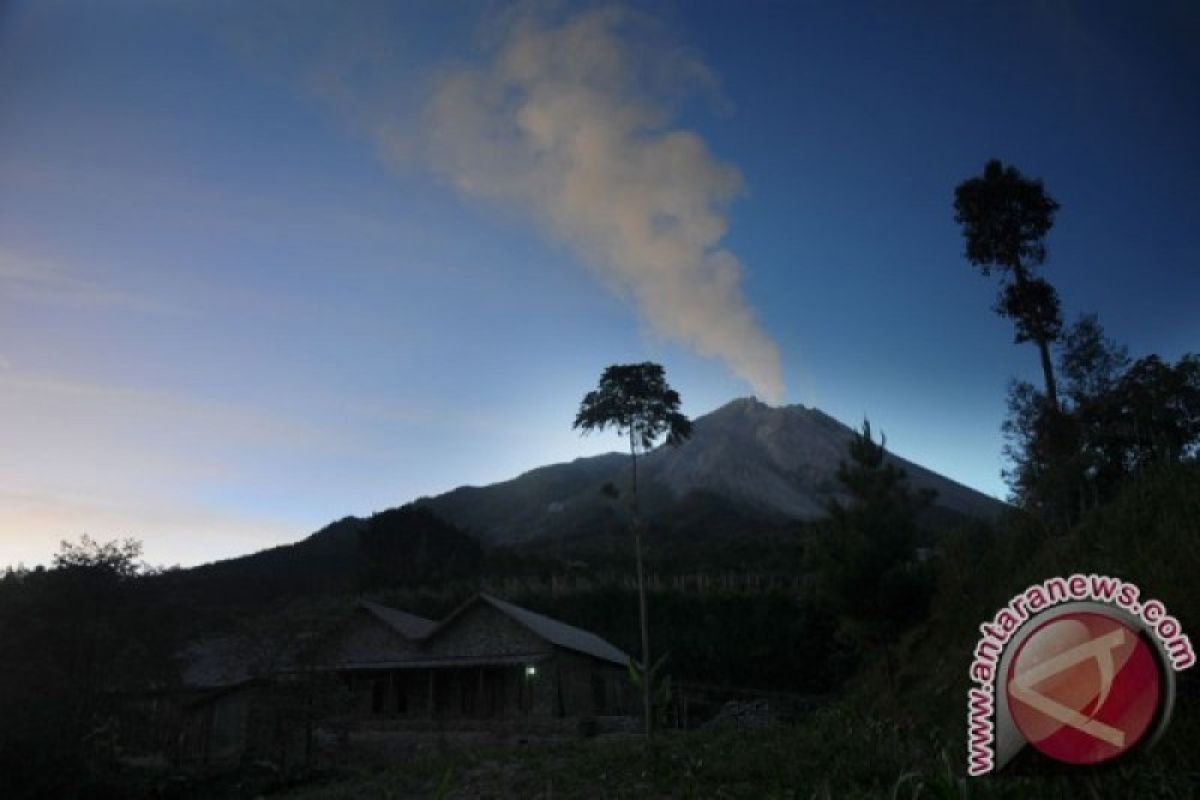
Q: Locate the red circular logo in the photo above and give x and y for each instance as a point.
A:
(1083, 688)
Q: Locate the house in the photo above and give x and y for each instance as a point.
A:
(488, 659)
(489, 662)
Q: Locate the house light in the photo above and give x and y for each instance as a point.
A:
(530, 671)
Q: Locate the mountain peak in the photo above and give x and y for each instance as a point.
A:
(744, 405)
(766, 461)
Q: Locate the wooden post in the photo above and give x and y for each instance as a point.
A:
(431, 693)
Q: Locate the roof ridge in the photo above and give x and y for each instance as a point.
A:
(557, 632)
(407, 624)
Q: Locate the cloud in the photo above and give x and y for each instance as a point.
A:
(28, 280)
(573, 124)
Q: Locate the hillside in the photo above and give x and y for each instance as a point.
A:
(762, 462)
(727, 494)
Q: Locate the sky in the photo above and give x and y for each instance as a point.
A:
(267, 264)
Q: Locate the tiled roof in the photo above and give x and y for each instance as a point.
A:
(231, 660)
(410, 626)
(215, 662)
(559, 633)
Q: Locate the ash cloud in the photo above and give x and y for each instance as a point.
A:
(572, 122)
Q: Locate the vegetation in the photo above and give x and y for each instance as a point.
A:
(636, 400)
(76, 637)
(1117, 419)
(868, 558)
(839, 752)
(411, 544)
(1005, 218)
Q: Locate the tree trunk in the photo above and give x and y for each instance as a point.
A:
(1043, 349)
(1048, 373)
(647, 678)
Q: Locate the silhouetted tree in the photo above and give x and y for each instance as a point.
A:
(1091, 365)
(78, 638)
(1005, 218)
(874, 578)
(1157, 409)
(636, 400)
(1044, 477)
(1121, 417)
(1089, 361)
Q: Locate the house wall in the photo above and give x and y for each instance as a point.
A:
(227, 734)
(482, 631)
(214, 731)
(574, 674)
(591, 687)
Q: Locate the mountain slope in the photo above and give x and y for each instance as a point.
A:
(765, 462)
(747, 469)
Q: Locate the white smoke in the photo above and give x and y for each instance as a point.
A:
(572, 123)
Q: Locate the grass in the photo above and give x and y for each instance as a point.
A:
(837, 753)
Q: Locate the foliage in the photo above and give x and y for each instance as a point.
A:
(839, 751)
(1033, 306)
(76, 637)
(1148, 534)
(868, 561)
(119, 559)
(636, 400)
(412, 545)
(1116, 420)
(1005, 218)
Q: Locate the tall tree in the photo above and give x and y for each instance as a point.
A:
(1005, 218)
(870, 566)
(636, 400)
(1121, 417)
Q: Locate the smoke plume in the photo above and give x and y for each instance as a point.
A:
(573, 124)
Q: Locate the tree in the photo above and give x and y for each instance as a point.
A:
(875, 581)
(412, 545)
(1091, 365)
(115, 559)
(1119, 417)
(78, 639)
(1090, 362)
(1005, 218)
(636, 400)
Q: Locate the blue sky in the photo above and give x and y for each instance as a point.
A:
(263, 265)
